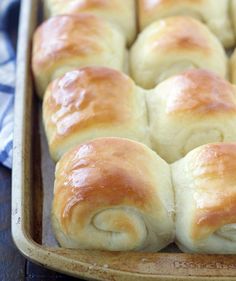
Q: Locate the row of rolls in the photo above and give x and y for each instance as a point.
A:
(140, 117)
(185, 111)
(115, 189)
(162, 49)
(132, 16)
(117, 194)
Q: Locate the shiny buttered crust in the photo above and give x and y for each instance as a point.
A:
(93, 102)
(215, 13)
(119, 12)
(191, 109)
(63, 43)
(113, 194)
(169, 46)
(205, 192)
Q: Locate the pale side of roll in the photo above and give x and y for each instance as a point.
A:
(205, 192)
(191, 109)
(170, 46)
(214, 13)
(93, 102)
(233, 57)
(120, 12)
(232, 64)
(113, 194)
(66, 42)
(233, 14)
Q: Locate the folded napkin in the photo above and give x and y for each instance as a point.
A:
(8, 25)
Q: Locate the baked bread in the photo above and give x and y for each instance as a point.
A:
(66, 42)
(205, 192)
(172, 45)
(93, 102)
(215, 14)
(189, 110)
(113, 194)
(119, 12)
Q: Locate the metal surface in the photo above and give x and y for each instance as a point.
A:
(32, 190)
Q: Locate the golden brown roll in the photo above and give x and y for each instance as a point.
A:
(93, 102)
(169, 46)
(119, 12)
(65, 42)
(214, 13)
(189, 110)
(113, 194)
(205, 192)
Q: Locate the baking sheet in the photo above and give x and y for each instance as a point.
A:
(32, 190)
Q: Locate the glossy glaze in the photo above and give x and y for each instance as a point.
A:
(65, 36)
(76, 6)
(89, 97)
(104, 173)
(113, 194)
(214, 183)
(200, 92)
(216, 17)
(183, 33)
(121, 13)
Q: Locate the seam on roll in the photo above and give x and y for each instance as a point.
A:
(190, 65)
(137, 25)
(146, 93)
(231, 21)
(174, 198)
(232, 17)
(112, 233)
(99, 229)
(201, 130)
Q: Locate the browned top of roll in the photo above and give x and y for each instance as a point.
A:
(183, 33)
(150, 5)
(200, 92)
(79, 6)
(150, 10)
(88, 97)
(66, 36)
(214, 180)
(119, 12)
(102, 173)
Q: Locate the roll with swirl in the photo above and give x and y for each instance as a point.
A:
(205, 192)
(113, 194)
(172, 45)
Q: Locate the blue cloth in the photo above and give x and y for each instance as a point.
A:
(8, 24)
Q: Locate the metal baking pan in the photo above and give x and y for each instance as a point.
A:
(32, 188)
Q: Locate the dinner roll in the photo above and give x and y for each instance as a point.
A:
(189, 110)
(93, 102)
(169, 46)
(120, 12)
(65, 42)
(215, 13)
(113, 194)
(205, 192)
